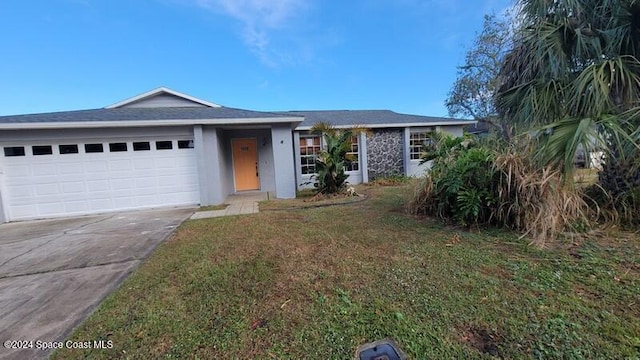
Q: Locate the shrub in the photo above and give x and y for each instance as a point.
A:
(620, 209)
(459, 184)
(473, 184)
(537, 201)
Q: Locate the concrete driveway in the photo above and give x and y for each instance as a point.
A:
(54, 273)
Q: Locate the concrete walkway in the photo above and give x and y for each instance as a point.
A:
(239, 204)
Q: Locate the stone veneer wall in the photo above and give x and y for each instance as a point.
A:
(385, 152)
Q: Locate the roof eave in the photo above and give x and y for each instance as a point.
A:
(147, 123)
(399, 125)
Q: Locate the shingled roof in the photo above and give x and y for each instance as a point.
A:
(143, 117)
(370, 118)
(180, 109)
(141, 114)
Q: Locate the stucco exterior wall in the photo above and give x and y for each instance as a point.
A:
(385, 153)
(207, 146)
(283, 161)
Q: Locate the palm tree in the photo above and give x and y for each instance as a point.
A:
(331, 161)
(574, 73)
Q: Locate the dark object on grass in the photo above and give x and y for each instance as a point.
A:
(386, 349)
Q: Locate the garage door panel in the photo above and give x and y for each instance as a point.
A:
(100, 204)
(143, 164)
(166, 163)
(47, 189)
(44, 169)
(104, 176)
(70, 168)
(64, 184)
(49, 199)
(73, 187)
(147, 200)
(121, 184)
(146, 191)
(146, 182)
(168, 180)
(17, 170)
(20, 191)
(76, 206)
(48, 209)
(23, 211)
(96, 166)
(120, 165)
(120, 193)
(70, 178)
(124, 203)
(95, 186)
(74, 197)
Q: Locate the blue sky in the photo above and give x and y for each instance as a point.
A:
(400, 55)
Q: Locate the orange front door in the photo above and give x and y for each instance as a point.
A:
(245, 164)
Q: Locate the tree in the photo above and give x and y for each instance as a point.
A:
(331, 161)
(574, 73)
(472, 95)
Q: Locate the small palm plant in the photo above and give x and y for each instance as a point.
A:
(332, 160)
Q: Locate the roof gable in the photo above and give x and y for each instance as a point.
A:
(162, 97)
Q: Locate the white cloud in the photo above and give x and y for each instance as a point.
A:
(261, 21)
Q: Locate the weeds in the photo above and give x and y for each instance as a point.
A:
(393, 179)
(536, 201)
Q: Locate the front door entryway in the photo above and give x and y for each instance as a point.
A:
(245, 164)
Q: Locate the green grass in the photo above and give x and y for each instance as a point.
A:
(317, 282)
(213, 207)
(309, 198)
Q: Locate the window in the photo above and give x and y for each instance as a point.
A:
(185, 144)
(68, 149)
(141, 146)
(117, 147)
(352, 156)
(164, 145)
(14, 151)
(93, 148)
(309, 148)
(417, 143)
(42, 150)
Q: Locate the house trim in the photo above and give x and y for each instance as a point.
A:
(362, 152)
(399, 125)
(145, 123)
(158, 91)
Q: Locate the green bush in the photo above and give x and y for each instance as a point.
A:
(488, 184)
(462, 178)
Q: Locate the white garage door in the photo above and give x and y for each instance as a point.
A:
(83, 177)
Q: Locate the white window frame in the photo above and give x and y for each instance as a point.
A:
(423, 137)
(355, 150)
(306, 155)
(356, 154)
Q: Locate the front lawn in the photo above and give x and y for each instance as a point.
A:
(315, 283)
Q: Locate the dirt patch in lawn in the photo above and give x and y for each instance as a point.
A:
(482, 340)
